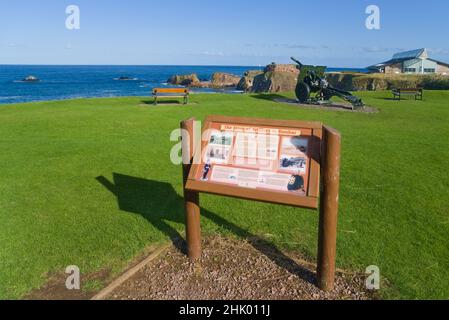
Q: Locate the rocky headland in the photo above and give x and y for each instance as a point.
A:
(273, 78)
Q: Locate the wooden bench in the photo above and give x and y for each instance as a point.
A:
(399, 92)
(159, 93)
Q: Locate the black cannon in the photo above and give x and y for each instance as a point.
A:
(312, 80)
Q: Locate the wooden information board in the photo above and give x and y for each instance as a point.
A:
(266, 160)
(288, 162)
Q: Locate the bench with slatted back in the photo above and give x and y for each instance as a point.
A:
(399, 92)
(159, 93)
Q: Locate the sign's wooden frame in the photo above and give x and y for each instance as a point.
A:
(324, 182)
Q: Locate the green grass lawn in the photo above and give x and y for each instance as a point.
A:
(90, 183)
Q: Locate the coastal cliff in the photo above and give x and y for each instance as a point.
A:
(276, 78)
(376, 82)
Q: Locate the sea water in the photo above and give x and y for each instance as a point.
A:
(70, 82)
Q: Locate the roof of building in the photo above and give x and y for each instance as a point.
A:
(404, 56)
(412, 54)
(387, 63)
(440, 62)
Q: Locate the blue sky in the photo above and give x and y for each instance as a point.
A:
(208, 32)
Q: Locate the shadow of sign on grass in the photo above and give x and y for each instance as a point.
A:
(158, 202)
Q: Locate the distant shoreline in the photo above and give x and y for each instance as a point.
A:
(329, 69)
(129, 65)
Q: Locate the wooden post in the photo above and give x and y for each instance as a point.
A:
(327, 232)
(191, 198)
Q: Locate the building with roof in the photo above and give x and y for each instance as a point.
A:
(411, 62)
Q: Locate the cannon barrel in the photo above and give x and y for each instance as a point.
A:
(297, 62)
(345, 95)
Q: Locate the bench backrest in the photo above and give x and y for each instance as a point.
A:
(409, 89)
(170, 90)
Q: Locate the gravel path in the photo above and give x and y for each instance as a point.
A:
(231, 269)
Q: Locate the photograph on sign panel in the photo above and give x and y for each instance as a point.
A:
(218, 154)
(296, 183)
(221, 138)
(295, 164)
(294, 145)
(205, 171)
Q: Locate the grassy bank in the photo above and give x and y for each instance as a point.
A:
(89, 182)
(376, 82)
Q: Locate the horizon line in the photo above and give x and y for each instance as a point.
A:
(127, 65)
(153, 65)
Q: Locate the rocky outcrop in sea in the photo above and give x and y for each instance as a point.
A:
(274, 78)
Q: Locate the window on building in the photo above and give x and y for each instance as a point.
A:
(412, 70)
(429, 70)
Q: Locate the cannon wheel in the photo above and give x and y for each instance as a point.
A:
(302, 92)
(327, 95)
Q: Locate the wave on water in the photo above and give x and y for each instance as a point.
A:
(11, 98)
(24, 81)
(126, 79)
